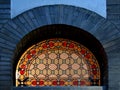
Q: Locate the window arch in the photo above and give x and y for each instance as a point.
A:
(57, 62)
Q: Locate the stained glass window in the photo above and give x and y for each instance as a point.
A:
(57, 62)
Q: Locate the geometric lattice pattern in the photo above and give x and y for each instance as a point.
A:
(57, 62)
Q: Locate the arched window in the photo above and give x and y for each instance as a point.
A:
(57, 62)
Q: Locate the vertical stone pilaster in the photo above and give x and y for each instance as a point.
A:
(4, 11)
(113, 12)
(113, 15)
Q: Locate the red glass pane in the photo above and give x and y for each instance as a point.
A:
(23, 66)
(71, 45)
(34, 83)
(29, 56)
(88, 56)
(82, 83)
(93, 66)
(33, 52)
(54, 83)
(41, 83)
(83, 51)
(61, 83)
(22, 72)
(51, 44)
(75, 83)
(44, 46)
(64, 43)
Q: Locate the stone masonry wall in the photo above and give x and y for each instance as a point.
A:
(5, 64)
(113, 15)
(4, 11)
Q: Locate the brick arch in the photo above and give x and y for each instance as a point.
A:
(13, 31)
(67, 32)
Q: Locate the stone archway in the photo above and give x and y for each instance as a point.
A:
(67, 32)
(14, 30)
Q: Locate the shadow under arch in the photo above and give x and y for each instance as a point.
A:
(67, 32)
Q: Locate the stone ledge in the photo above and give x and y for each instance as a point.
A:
(4, 6)
(5, 1)
(113, 2)
(61, 88)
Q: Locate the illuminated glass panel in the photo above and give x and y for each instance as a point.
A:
(57, 62)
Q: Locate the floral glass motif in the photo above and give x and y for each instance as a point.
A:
(57, 62)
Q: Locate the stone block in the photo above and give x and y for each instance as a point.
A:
(59, 88)
(9, 33)
(113, 2)
(87, 25)
(5, 68)
(5, 77)
(3, 21)
(5, 55)
(105, 33)
(5, 83)
(47, 14)
(34, 20)
(54, 14)
(5, 59)
(37, 17)
(113, 46)
(7, 46)
(5, 11)
(67, 17)
(113, 16)
(113, 8)
(5, 16)
(21, 26)
(5, 36)
(11, 30)
(4, 1)
(4, 72)
(8, 64)
(12, 24)
(29, 21)
(4, 6)
(25, 23)
(6, 87)
(0, 26)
